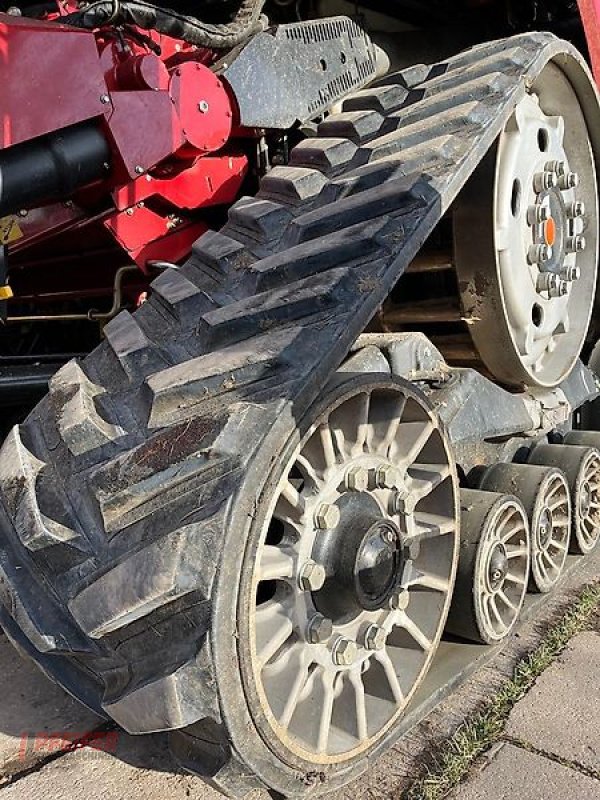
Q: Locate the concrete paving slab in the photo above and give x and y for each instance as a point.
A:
(560, 714)
(514, 772)
(31, 707)
(138, 769)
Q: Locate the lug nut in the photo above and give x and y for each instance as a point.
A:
(327, 517)
(570, 180)
(570, 273)
(539, 253)
(575, 244)
(203, 106)
(576, 209)
(357, 479)
(386, 476)
(560, 289)
(344, 652)
(556, 166)
(537, 214)
(399, 600)
(375, 637)
(403, 502)
(319, 629)
(311, 577)
(542, 181)
(546, 281)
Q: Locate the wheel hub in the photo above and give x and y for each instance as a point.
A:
(544, 528)
(497, 567)
(585, 500)
(363, 559)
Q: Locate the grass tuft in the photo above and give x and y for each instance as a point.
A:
(478, 733)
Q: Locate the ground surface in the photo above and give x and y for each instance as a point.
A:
(551, 749)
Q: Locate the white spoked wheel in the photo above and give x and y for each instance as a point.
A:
(526, 240)
(493, 568)
(545, 495)
(353, 574)
(581, 465)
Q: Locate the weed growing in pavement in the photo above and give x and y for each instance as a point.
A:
(481, 731)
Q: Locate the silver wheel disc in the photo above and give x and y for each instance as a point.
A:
(550, 531)
(353, 573)
(526, 254)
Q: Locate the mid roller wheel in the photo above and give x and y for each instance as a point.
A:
(545, 495)
(581, 466)
(526, 239)
(493, 566)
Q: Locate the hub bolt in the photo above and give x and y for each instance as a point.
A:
(344, 652)
(399, 600)
(559, 289)
(203, 106)
(542, 181)
(576, 209)
(319, 629)
(556, 166)
(537, 214)
(327, 516)
(570, 273)
(547, 282)
(539, 253)
(576, 244)
(569, 180)
(386, 476)
(375, 637)
(311, 577)
(403, 502)
(357, 479)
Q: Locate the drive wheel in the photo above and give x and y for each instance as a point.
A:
(351, 574)
(526, 239)
(493, 568)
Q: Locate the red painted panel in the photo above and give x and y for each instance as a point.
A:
(50, 77)
(590, 15)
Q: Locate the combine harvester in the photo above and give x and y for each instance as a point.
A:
(332, 309)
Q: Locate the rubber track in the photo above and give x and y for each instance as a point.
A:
(116, 489)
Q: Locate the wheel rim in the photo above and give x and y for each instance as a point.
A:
(501, 570)
(341, 636)
(586, 503)
(540, 240)
(550, 531)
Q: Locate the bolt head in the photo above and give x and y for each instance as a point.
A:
(344, 652)
(542, 181)
(203, 106)
(539, 253)
(386, 476)
(105, 99)
(319, 629)
(571, 273)
(139, 170)
(357, 479)
(311, 577)
(537, 214)
(576, 209)
(570, 180)
(375, 637)
(399, 600)
(403, 502)
(556, 166)
(327, 516)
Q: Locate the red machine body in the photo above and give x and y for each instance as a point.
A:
(167, 117)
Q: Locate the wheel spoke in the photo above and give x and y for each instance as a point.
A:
(518, 552)
(275, 562)
(273, 629)
(429, 526)
(295, 693)
(308, 470)
(327, 445)
(360, 704)
(392, 678)
(411, 627)
(327, 680)
(431, 582)
(507, 602)
(427, 477)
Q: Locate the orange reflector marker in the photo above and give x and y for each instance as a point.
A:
(550, 232)
(5, 293)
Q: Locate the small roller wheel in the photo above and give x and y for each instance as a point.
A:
(581, 466)
(583, 439)
(544, 492)
(493, 566)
